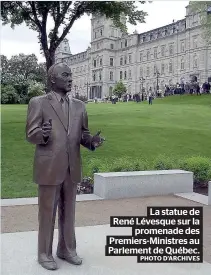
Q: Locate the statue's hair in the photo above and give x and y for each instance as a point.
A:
(51, 69)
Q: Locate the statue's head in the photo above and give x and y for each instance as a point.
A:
(60, 78)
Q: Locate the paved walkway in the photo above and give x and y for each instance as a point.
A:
(92, 219)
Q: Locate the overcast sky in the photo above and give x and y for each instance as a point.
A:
(24, 40)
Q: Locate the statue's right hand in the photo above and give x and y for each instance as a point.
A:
(46, 129)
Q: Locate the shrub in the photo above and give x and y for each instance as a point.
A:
(81, 97)
(9, 95)
(165, 163)
(200, 166)
(35, 89)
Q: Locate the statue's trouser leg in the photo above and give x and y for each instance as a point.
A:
(66, 218)
(48, 197)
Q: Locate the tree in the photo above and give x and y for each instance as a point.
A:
(203, 8)
(35, 89)
(9, 95)
(20, 69)
(64, 14)
(119, 89)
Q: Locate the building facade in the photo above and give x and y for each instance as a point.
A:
(164, 56)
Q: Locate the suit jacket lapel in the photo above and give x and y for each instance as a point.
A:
(58, 109)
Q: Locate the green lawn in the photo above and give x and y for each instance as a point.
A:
(174, 126)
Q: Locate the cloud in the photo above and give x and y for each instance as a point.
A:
(24, 40)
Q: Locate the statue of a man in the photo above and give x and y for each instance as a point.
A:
(57, 124)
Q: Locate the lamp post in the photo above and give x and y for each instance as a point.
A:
(87, 89)
(142, 83)
(157, 76)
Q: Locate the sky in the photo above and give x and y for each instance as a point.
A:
(24, 40)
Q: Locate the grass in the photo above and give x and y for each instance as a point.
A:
(176, 126)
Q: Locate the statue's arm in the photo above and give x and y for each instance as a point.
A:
(86, 139)
(34, 122)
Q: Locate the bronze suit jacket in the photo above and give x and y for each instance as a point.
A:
(62, 149)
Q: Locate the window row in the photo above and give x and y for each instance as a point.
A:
(98, 33)
(124, 75)
(124, 60)
(97, 62)
(97, 76)
(168, 68)
(79, 69)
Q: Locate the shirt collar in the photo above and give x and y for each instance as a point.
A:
(59, 97)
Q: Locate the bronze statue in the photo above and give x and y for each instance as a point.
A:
(58, 124)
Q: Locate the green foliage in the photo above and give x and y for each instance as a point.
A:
(81, 97)
(9, 95)
(35, 89)
(64, 14)
(163, 162)
(204, 9)
(119, 89)
(20, 70)
(200, 166)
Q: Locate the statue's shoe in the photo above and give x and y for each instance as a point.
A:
(50, 265)
(75, 260)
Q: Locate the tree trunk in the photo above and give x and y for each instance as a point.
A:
(50, 60)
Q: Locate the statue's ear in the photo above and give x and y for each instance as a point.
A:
(52, 79)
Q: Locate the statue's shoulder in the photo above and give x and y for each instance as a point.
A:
(78, 102)
(38, 99)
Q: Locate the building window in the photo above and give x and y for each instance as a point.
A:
(171, 50)
(182, 47)
(100, 77)
(155, 53)
(170, 66)
(125, 59)
(121, 45)
(101, 62)
(101, 32)
(141, 71)
(111, 61)
(94, 77)
(155, 69)
(95, 35)
(120, 75)
(121, 61)
(148, 71)
(163, 68)
(112, 46)
(195, 61)
(125, 75)
(165, 32)
(129, 73)
(148, 55)
(95, 63)
(111, 76)
(126, 43)
(163, 51)
(182, 64)
(130, 58)
(141, 56)
(195, 45)
(151, 36)
(65, 49)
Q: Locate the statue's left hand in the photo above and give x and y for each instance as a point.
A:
(97, 141)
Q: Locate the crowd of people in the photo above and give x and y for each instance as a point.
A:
(149, 95)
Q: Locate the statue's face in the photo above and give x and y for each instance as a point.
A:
(62, 78)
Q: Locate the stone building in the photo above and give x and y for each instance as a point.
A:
(164, 56)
